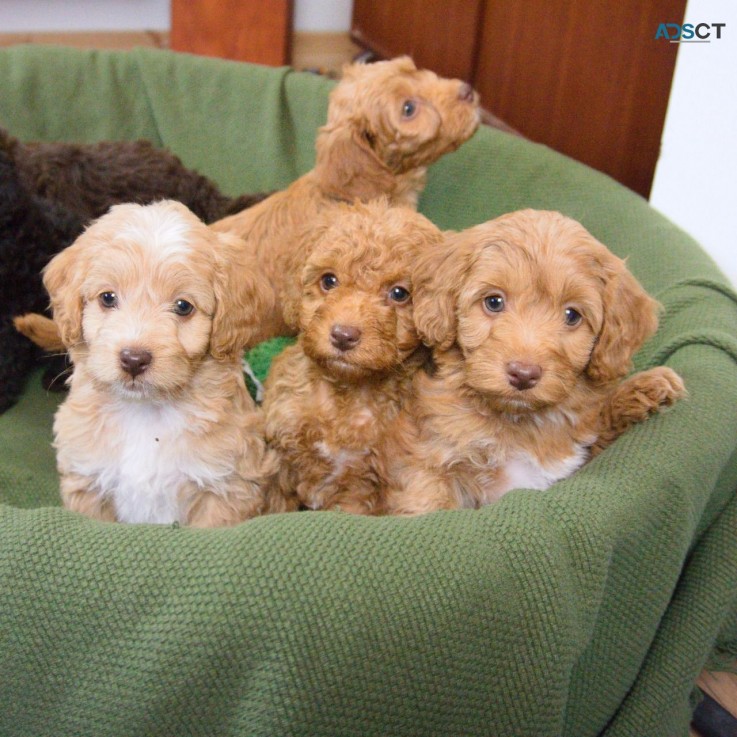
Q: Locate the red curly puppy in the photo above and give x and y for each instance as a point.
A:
(534, 324)
(330, 398)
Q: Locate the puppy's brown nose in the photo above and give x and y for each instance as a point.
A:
(465, 92)
(523, 375)
(345, 337)
(134, 361)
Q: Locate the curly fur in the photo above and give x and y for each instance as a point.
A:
(31, 232)
(328, 404)
(171, 435)
(88, 178)
(386, 123)
(519, 395)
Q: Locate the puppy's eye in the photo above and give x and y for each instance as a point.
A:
(573, 317)
(108, 300)
(494, 303)
(328, 282)
(183, 308)
(399, 294)
(409, 109)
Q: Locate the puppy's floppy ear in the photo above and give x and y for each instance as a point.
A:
(292, 287)
(291, 292)
(347, 167)
(436, 279)
(243, 295)
(291, 299)
(630, 318)
(63, 278)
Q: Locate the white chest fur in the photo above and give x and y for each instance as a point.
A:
(524, 471)
(143, 460)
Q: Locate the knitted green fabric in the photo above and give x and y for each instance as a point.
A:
(584, 610)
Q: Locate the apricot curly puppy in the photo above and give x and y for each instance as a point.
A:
(330, 397)
(158, 425)
(386, 123)
(534, 324)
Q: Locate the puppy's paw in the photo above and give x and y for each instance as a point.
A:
(636, 399)
(650, 391)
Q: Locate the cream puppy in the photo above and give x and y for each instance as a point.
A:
(158, 427)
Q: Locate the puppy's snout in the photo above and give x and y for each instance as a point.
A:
(465, 92)
(134, 361)
(345, 337)
(523, 375)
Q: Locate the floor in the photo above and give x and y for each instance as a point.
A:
(325, 53)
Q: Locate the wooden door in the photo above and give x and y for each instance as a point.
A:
(257, 31)
(588, 79)
(438, 34)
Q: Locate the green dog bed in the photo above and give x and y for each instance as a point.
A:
(587, 609)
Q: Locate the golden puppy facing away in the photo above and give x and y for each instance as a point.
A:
(158, 426)
(330, 397)
(534, 324)
(386, 123)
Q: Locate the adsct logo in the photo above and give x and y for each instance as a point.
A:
(688, 33)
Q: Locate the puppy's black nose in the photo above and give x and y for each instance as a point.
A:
(135, 361)
(345, 337)
(465, 92)
(523, 375)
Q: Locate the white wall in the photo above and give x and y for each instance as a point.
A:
(323, 15)
(696, 179)
(19, 16)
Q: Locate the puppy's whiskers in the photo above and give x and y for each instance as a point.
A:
(58, 378)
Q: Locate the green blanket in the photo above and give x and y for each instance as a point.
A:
(587, 609)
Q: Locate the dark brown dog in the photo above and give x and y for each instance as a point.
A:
(88, 179)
